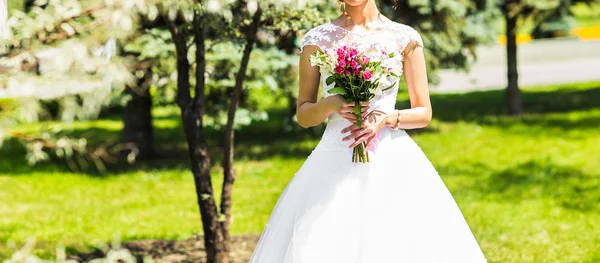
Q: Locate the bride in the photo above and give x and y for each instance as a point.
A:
(394, 208)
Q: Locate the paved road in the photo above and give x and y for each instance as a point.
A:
(540, 63)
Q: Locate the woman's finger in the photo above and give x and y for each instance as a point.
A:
(352, 127)
(350, 118)
(359, 141)
(370, 141)
(348, 115)
(352, 136)
(348, 109)
(357, 135)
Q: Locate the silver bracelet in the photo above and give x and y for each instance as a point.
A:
(397, 126)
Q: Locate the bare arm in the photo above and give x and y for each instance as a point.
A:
(309, 111)
(415, 73)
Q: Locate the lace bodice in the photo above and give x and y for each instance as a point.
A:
(393, 36)
(329, 35)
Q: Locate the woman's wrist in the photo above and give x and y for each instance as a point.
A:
(394, 119)
(391, 119)
(332, 104)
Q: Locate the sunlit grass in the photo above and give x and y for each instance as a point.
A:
(528, 186)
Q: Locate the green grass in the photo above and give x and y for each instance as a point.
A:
(528, 186)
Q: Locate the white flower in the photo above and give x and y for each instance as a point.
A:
(377, 76)
(384, 83)
(377, 90)
(314, 61)
(325, 61)
(389, 63)
(374, 52)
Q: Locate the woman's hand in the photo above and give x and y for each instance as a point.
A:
(346, 110)
(370, 127)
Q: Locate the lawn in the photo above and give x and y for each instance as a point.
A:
(528, 186)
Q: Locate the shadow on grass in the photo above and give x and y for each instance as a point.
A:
(276, 138)
(477, 105)
(259, 141)
(488, 107)
(565, 185)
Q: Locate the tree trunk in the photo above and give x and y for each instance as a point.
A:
(192, 113)
(213, 238)
(137, 120)
(513, 95)
(286, 43)
(228, 169)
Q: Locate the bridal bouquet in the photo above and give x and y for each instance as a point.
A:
(358, 75)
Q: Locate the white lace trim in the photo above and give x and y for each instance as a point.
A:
(329, 34)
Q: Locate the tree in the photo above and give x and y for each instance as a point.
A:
(137, 117)
(63, 51)
(516, 11)
(278, 20)
(198, 27)
(151, 49)
(513, 94)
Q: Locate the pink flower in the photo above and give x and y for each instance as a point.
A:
(340, 53)
(357, 72)
(384, 53)
(342, 63)
(339, 69)
(353, 64)
(367, 75)
(353, 52)
(364, 60)
(347, 72)
(389, 69)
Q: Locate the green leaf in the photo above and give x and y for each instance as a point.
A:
(391, 86)
(330, 80)
(338, 90)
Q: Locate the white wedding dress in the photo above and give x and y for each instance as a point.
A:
(393, 209)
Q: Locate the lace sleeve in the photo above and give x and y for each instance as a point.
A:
(320, 36)
(414, 35)
(409, 34)
(310, 38)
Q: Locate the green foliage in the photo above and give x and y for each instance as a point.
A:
(61, 53)
(15, 5)
(587, 15)
(263, 69)
(155, 47)
(225, 32)
(548, 18)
